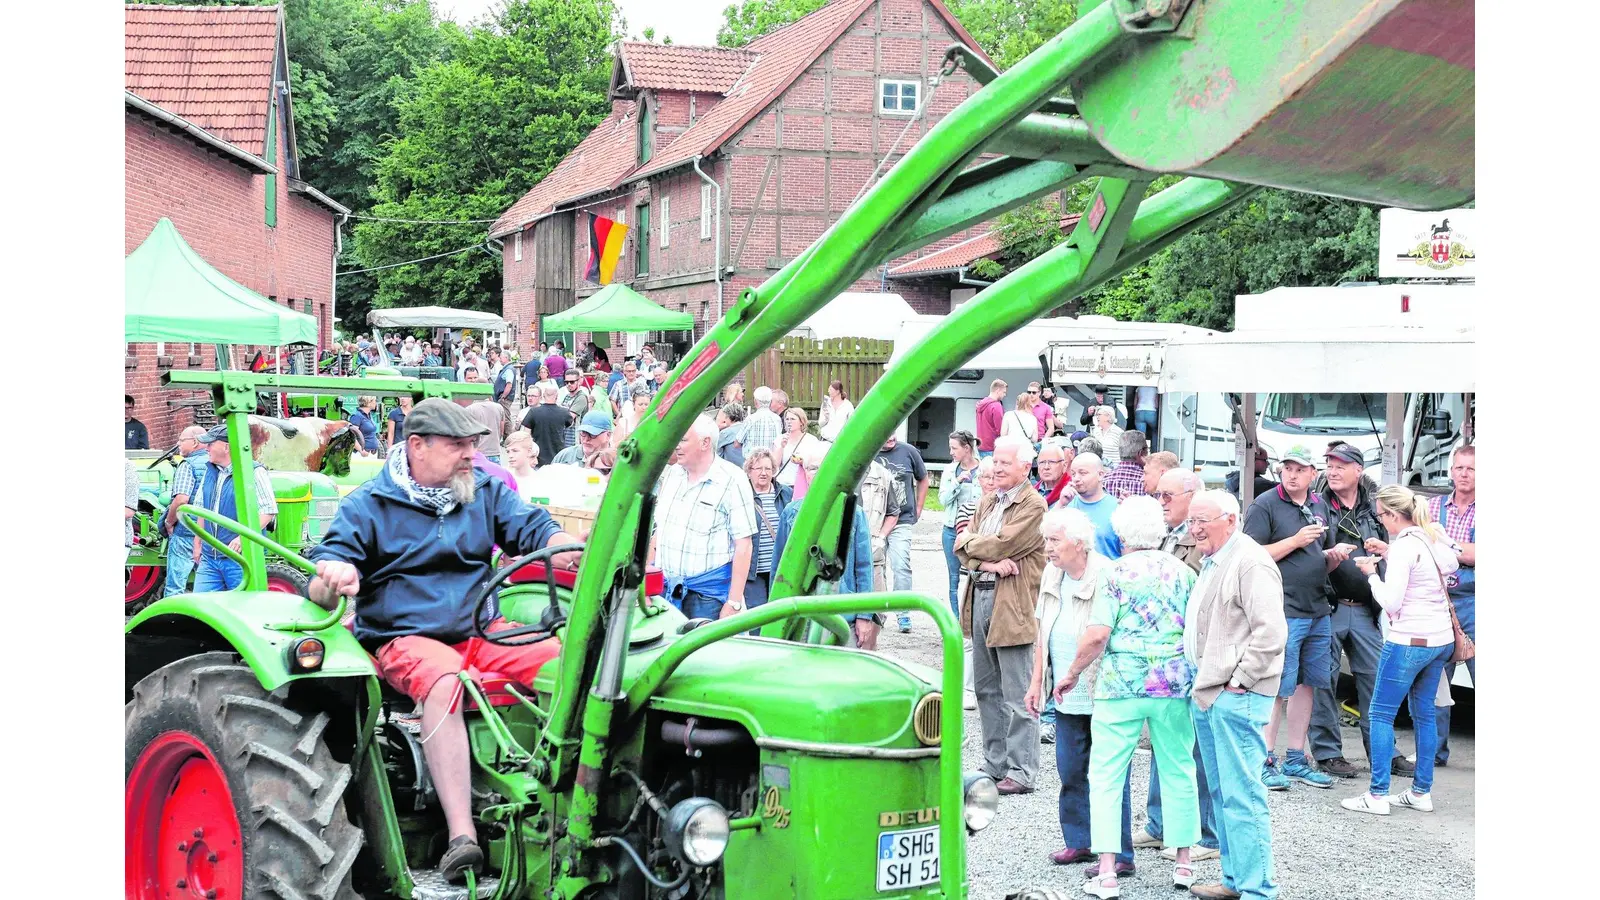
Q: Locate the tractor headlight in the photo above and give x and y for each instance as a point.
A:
(305, 655)
(697, 831)
(980, 800)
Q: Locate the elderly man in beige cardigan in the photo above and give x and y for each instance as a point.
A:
(1004, 550)
(1234, 634)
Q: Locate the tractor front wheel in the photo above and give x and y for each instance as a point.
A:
(229, 792)
(286, 579)
(142, 586)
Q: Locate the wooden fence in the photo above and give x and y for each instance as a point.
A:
(802, 368)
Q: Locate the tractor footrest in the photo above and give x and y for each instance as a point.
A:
(431, 885)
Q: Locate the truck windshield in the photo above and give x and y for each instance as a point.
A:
(1324, 413)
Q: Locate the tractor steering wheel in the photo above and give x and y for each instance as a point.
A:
(548, 623)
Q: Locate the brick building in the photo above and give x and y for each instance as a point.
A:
(210, 145)
(750, 152)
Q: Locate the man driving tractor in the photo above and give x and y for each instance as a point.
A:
(411, 547)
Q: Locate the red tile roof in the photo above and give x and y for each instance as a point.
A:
(677, 68)
(962, 255)
(211, 65)
(598, 163)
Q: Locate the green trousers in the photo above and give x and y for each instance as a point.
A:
(1115, 728)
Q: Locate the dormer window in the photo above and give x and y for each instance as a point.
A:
(647, 128)
(898, 98)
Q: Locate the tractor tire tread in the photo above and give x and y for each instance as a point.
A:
(288, 789)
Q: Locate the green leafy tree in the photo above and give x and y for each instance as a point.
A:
(744, 22)
(1008, 30)
(513, 95)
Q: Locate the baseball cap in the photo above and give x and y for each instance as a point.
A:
(1344, 450)
(595, 423)
(1299, 453)
(217, 433)
(435, 416)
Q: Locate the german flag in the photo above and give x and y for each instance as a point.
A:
(605, 248)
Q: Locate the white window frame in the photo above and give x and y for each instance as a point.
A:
(622, 215)
(902, 83)
(666, 224)
(516, 244)
(705, 212)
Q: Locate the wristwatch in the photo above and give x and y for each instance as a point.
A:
(738, 605)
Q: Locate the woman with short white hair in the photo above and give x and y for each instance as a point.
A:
(1105, 431)
(1135, 633)
(1067, 594)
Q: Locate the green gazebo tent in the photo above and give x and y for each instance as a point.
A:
(172, 294)
(618, 307)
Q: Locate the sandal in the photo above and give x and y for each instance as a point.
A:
(1097, 888)
(1183, 876)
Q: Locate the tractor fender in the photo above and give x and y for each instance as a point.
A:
(240, 619)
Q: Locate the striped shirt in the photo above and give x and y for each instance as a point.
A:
(761, 430)
(697, 524)
(766, 530)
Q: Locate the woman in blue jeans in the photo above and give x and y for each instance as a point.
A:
(1419, 644)
(958, 485)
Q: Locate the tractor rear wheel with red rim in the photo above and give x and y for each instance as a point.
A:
(286, 579)
(142, 586)
(230, 794)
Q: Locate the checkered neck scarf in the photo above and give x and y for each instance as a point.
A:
(440, 500)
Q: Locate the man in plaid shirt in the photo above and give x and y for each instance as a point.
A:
(705, 519)
(1457, 513)
(216, 572)
(1127, 479)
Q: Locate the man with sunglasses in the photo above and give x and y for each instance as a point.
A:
(1291, 523)
(1349, 494)
(575, 400)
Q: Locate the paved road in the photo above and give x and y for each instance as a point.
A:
(1320, 849)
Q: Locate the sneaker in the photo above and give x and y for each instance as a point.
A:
(1047, 734)
(1301, 771)
(1409, 800)
(1403, 767)
(1143, 838)
(1272, 778)
(1365, 802)
(461, 855)
(1339, 767)
(905, 625)
(1197, 853)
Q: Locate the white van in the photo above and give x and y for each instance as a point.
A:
(1432, 430)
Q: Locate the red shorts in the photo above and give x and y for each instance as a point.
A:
(413, 664)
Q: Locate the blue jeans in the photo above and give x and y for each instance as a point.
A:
(1152, 807)
(953, 566)
(695, 605)
(985, 454)
(1466, 612)
(1403, 672)
(900, 563)
(1306, 654)
(1145, 421)
(1233, 749)
(1072, 765)
(216, 573)
(180, 565)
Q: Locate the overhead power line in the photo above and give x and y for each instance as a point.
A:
(409, 261)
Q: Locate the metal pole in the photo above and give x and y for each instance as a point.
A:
(1247, 451)
(1394, 439)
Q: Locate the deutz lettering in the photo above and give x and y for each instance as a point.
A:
(927, 816)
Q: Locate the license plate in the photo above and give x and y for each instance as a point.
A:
(908, 859)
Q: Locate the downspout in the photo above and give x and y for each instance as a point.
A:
(717, 235)
(500, 254)
(333, 286)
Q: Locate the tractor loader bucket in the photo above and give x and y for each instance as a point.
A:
(1366, 99)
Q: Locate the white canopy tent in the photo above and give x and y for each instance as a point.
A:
(1354, 360)
(436, 317)
(863, 315)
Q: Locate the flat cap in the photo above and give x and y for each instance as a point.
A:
(441, 417)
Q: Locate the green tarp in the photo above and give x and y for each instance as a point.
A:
(618, 307)
(172, 294)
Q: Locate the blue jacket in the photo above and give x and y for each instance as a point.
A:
(419, 570)
(857, 577)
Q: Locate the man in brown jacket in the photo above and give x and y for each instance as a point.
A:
(1004, 550)
(1235, 634)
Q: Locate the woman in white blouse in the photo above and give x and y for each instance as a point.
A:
(1420, 642)
(792, 444)
(836, 410)
(1021, 421)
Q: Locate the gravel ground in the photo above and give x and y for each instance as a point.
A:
(1319, 849)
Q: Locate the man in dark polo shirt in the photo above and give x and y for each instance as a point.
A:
(1348, 493)
(1292, 524)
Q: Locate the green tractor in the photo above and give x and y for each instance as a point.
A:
(656, 757)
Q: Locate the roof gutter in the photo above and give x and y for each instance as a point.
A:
(716, 257)
(300, 187)
(200, 134)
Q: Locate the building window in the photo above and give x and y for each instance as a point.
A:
(666, 226)
(622, 215)
(642, 240)
(705, 212)
(516, 246)
(647, 127)
(898, 98)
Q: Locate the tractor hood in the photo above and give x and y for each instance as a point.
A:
(786, 690)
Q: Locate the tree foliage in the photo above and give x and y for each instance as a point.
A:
(745, 21)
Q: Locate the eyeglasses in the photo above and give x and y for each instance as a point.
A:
(1169, 496)
(1192, 521)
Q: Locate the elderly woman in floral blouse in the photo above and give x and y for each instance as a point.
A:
(1135, 633)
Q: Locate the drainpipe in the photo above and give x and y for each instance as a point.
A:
(333, 286)
(717, 235)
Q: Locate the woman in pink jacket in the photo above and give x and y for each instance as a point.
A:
(1420, 642)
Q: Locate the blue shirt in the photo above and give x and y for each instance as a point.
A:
(369, 429)
(1099, 512)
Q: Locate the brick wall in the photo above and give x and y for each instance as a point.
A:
(220, 209)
